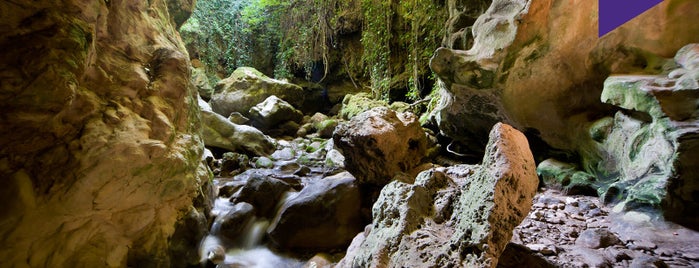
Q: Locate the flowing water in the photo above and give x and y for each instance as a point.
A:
(249, 247)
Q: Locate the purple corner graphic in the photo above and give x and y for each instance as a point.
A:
(614, 13)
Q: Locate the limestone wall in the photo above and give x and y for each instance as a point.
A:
(99, 144)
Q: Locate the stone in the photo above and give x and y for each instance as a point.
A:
(334, 159)
(264, 162)
(643, 245)
(284, 154)
(237, 118)
(246, 87)
(233, 162)
(592, 258)
(516, 255)
(379, 143)
(597, 238)
(201, 82)
(326, 128)
(263, 193)
(646, 261)
(354, 104)
(101, 153)
(272, 112)
(317, 118)
(323, 215)
(459, 216)
(221, 133)
(232, 224)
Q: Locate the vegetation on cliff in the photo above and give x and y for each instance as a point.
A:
(383, 45)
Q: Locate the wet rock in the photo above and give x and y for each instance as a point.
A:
(233, 163)
(263, 193)
(302, 171)
(597, 238)
(451, 216)
(246, 87)
(221, 133)
(284, 154)
(380, 143)
(323, 215)
(231, 224)
(273, 112)
(264, 162)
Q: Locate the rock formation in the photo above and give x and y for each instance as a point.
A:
(217, 131)
(246, 87)
(461, 216)
(540, 66)
(100, 154)
(381, 143)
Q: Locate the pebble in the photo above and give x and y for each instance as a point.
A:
(597, 238)
(665, 252)
(554, 228)
(647, 261)
(643, 245)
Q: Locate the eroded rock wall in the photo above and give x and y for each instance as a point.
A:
(540, 66)
(99, 144)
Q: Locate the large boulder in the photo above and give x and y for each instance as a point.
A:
(540, 65)
(324, 215)
(100, 142)
(381, 143)
(221, 133)
(272, 112)
(246, 87)
(263, 192)
(461, 216)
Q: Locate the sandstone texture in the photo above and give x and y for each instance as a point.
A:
(381, 143)
(100, 152)
(246, 87)
(460, 216)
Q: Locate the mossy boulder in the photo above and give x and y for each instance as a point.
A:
(246, 87)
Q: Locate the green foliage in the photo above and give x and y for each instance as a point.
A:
(218, 34)
(284, 38)
(394, 30)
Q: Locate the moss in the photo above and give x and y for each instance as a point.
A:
(355, 104)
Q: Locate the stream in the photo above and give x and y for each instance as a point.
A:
(251, 194)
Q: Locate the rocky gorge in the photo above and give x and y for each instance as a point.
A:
(542, 145)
